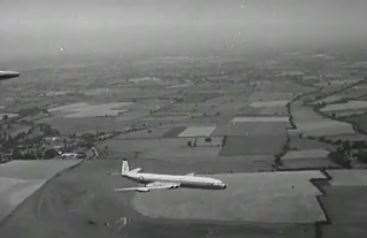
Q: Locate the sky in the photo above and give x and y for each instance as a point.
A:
(170, 27)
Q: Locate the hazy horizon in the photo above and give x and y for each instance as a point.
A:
(36, 28)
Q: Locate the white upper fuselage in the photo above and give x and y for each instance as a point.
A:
(8, 74)
(183, 180)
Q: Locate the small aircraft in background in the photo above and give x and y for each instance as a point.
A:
(8, 75)
(165, 181)
(72, 155)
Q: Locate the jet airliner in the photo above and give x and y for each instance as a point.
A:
(8, 74)
(165, 181)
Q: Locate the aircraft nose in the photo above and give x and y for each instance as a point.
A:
(222, 185)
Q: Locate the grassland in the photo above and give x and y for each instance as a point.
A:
(20, 179)
(81, 202)
(82, 110)
(282, 197)
(345, 204)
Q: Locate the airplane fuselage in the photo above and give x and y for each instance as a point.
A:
(8, 74)
(183, 180)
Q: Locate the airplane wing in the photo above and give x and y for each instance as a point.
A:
(150, 186)
(137, 189)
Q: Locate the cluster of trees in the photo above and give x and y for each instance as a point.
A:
(28, 145)
(347, 151)
(88, 140)
(30, 153)
(341, 157)
(361, 155)
(285, 149)
(47, 130)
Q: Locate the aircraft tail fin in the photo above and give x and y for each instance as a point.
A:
(125, 167)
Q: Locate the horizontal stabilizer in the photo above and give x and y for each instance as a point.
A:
(137, 170)
(114, 173)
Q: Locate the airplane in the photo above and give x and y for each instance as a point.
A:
(72, 155)
(8, 75)
(165, 181)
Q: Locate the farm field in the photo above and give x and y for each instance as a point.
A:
(350, 105)
(307, 159)
(82, 199)
(167, 148)
(281, 197)
(345, 204)
(242, 120)
(20, 179)
(313, 124)
(80, 110)
(360, 121)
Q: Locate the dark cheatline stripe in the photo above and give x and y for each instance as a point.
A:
(8, 74)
